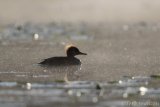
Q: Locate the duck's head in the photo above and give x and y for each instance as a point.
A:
(72, 51)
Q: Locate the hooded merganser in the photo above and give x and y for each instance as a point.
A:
(70, 59)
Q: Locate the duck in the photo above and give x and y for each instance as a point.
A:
(69, 59)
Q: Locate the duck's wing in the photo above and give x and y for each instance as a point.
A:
(50, 61)
(60, 61)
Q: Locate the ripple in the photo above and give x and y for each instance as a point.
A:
(117, 94)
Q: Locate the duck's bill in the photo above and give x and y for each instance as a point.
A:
(80, 53)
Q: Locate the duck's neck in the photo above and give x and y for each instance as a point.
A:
(70, 56)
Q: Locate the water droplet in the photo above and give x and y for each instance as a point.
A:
(70, 92)
(78, 94)
(36, 36)
(28, 86)
(143, 90)
(120, 82)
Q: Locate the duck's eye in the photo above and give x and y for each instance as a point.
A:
(76, 51)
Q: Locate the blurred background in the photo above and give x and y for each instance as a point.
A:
(92, 11)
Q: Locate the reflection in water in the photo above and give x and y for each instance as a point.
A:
(63, 72)
(66, 66)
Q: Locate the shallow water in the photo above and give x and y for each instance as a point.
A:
(115, 73)
(128, 92)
